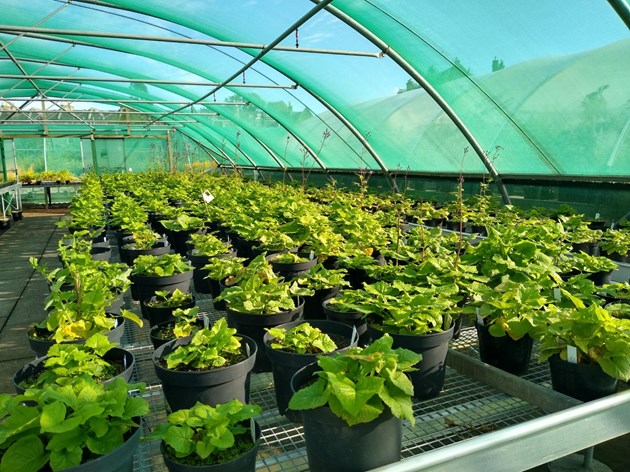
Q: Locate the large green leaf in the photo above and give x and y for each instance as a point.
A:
(25, 455)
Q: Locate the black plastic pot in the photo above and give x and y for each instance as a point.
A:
(201, 284)
(182, 389)
(291, 270)
(144, 287)
(156, 314)
(255, 326)
(333, 446)
(284, 364)
(350, 318)
(118, 460)
(585, 382)
(116, 354)
(41, 346)
(313, 309)
(244, 463)
(504, 353)
(216, 287)
(600, 278)
(428, 378)
(178, 239)
(100, 253)
(128, 254)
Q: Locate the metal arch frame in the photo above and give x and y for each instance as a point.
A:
(302, 143)
(434, 94)
(622, 9)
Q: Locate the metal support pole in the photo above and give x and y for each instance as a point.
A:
(169, 149)
(94, 158)
(623, 10)
(4, 160)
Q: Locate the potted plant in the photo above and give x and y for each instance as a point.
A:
(153, 273)
(160, 307)
(588, 350)
(420, 319)
(615, 292)
(341, 308)
(65, 431)
(211, 366)
(292, 264)
(185, 322)
(80, 310)
(261, 300)
(598, 269)
(325, 283)
(97, 358)
(219, 269)
(615, 244)
(143, 241)
(353, 411)
(291, 346)
(204, 248)
(180, 229)
(223, 438)
(507, 315)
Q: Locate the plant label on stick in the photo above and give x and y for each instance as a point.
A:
(248, 350)
(207, 196)
(479, 317)
(572, 354)
(206, 321)
(355, 336)
(311, 255)
(557, 295)
(252, 429)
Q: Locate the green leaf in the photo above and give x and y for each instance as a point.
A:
(24, 455)
(66, 458)
(179, 438)
(313, 396)
(52, 416)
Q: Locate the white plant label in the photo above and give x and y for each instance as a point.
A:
(252, 428)
(355, 336)
(597, 216)
(479, 318)
(312, 255)
(557, 295)
(572, 354)
(207, 196)
(206, 321)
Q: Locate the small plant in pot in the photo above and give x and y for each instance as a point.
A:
(204, 248)
(294, 345)
(144, 241)
(180, 229)
(211, 366)
(587, 348)
(598, 269)
(223, 438)
(219, 269)
(353, 411)
(615, 292)
(615, 244)
(292, 264)
(325, 284)
(97, 358)
(185, 322)
(507, 315)
(83, 426)
(151, 274)
(262, 300)
(420, 319)
(160, 307)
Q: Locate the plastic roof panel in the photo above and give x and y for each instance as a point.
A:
(534, 88)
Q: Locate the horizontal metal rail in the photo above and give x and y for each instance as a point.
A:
(37, 32)
(532, 443)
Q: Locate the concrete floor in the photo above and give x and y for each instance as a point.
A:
(23, 291)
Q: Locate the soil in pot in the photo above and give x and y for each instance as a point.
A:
(122, 361)
(246, 462)
(163, 332)
(504, 353)
(182, 389)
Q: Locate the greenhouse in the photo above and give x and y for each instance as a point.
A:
(315, 235)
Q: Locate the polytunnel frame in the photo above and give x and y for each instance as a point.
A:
(620, 7)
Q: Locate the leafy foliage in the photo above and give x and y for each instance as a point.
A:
(360, 384)
(208, 348)
(160, 266)
(202, 434)
(63, 426)
(301, 339)
(168, 299)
